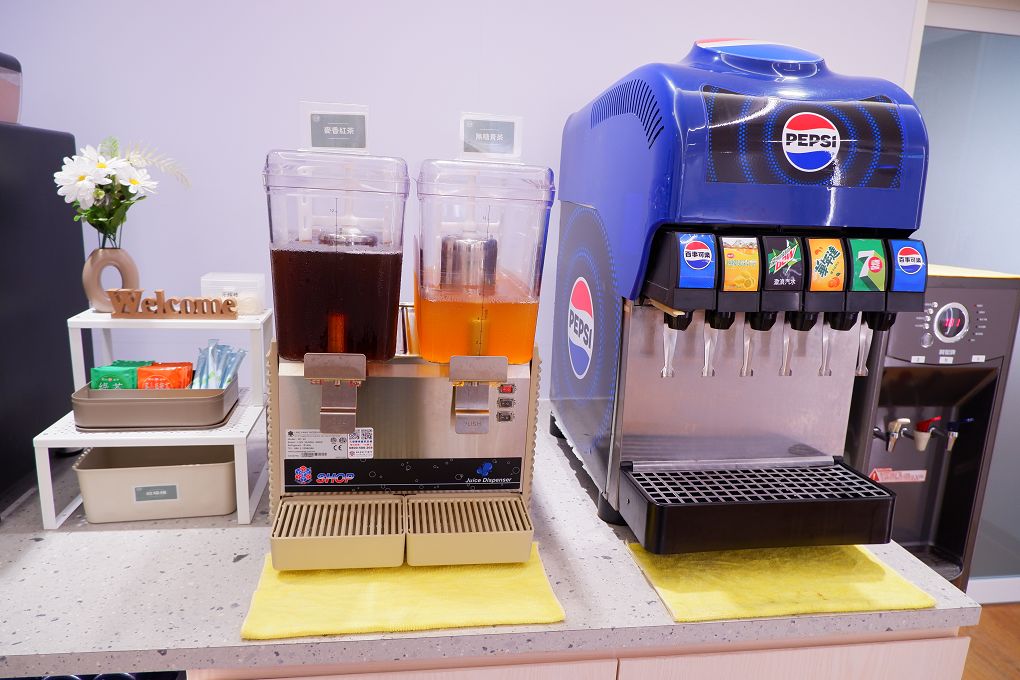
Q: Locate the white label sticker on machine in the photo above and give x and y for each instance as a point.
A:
(315, 444)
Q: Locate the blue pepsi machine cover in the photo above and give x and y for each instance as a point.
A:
(743, 132)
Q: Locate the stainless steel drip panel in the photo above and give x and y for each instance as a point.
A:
(763, 414)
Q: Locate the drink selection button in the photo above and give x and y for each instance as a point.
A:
(927, 340)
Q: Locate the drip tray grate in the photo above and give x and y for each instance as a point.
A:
(675, 511)
(826, 482)
(458, 530)
(321, 533)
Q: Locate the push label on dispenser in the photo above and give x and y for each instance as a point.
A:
(828, 265)
(909, 266)
(697, 261)
(870, 265)
(784, 263)
(741, 264)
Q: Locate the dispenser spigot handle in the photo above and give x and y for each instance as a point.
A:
(926, 425)
(893, 430)
(745, 367)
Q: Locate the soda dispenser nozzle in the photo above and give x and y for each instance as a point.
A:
(834, 321)
(872, 322)
(755, 322)
(671, 324)
(798, 321)
(714, 322)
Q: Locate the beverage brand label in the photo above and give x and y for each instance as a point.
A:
(871, 268)
(315, 444)
(810, 141)
(909, 266)
(828, 265)
(741, 263)
(784, 263)
(580, 328)
(697, 260)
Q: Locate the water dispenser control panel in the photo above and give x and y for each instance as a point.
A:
(956, 326)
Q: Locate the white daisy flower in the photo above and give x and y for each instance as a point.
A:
(136, 180)
(100, 163)
(137, 159)
(77, 181)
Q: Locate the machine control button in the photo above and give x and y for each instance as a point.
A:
(507, 389)
(504, 416)
(927, 326)
(927, 340)
(505, 402)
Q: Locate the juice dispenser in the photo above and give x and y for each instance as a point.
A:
(336, 222)
(480, 253)
(377, 456)
(728, 235)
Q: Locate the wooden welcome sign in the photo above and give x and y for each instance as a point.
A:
(128, 303)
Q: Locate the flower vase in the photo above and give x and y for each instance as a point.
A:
(92, 272)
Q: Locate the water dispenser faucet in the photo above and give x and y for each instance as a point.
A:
(891, 434)
(923, 432)
(953, 431)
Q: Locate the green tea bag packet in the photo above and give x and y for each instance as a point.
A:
(114, 378)
(132, 364)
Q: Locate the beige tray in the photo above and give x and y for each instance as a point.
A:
(96, 410)
(326, 532)
(120, 484)
(467, 530)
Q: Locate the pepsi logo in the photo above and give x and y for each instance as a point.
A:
(810, 141)
(697, 255)
(909, 260)
(580, 328)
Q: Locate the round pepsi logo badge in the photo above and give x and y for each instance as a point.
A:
(909, 260)
(697, 254)
(580, 328)
(810, 141)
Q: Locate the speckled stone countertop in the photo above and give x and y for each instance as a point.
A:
(172, 595)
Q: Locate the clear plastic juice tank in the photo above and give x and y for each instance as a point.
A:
(336, 222)
(480, 253)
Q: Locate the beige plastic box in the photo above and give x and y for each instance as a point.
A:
(326, 532)
(467, 530)
(120, 484)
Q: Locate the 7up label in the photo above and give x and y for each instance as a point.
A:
(784, 263)
(870, 265)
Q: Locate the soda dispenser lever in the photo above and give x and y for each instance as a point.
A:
(784, 368)
(755, 322)
(863, 349)
(472, 378)
(823, 369)
(340, 376)
(745, 366)
(714, 322)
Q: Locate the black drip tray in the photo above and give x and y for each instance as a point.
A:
(674, 511)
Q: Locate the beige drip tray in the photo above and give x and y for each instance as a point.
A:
(467, 530)
(338, 533)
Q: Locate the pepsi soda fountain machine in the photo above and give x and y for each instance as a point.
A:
(734, 234)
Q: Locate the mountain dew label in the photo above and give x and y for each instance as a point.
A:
(784, 263)
(871, 267)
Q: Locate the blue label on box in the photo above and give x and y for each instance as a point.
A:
(697, 260)
(909, 266)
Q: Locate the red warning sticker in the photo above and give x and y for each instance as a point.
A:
(890, 476)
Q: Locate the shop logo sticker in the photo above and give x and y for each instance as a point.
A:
(580, 328)
(697, 255)
(810, 141)
(303, 475)
(909, 260)
(334, 477)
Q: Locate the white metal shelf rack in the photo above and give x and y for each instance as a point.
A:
(239, 432)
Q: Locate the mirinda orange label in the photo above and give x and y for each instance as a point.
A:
(741, 263)
(828, 264)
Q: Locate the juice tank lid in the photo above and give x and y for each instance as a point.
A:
(333, 171)
(481, 179)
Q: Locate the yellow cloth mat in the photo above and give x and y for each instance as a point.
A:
(744, 584)
(347, 601)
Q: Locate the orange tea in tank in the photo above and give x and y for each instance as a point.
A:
(463, 323)
(480, 252)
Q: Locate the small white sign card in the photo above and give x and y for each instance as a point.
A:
(333, 127)
(491, 136)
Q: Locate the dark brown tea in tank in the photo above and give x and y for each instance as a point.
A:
(336, 301)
